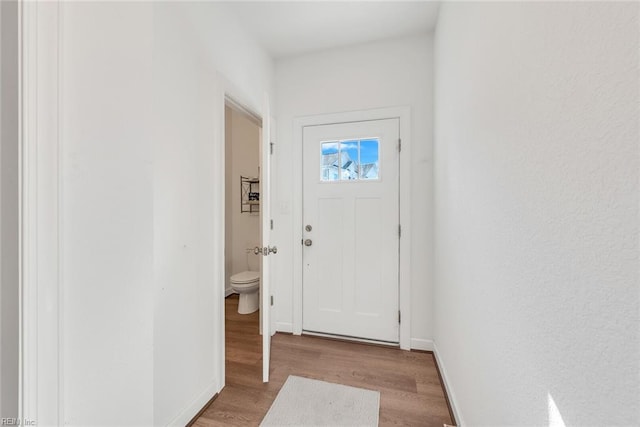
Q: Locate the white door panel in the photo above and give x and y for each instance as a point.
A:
(265, 209)
(350, 270)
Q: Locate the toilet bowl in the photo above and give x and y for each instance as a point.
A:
(247, 285)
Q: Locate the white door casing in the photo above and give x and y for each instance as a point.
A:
(230, 94)
(350, 268)
(299, 123)
(41, 368)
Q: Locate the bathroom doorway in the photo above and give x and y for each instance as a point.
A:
(243, 234)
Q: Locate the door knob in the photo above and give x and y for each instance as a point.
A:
(308, 242)
(266, 250)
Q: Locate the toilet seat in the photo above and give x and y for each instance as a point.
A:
(243, 286)
(245, 278)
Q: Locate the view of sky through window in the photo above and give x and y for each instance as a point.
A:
(348, 160)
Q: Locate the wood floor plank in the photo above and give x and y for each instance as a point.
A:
(410, 389)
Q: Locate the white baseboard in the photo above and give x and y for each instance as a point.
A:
(228, 291)
(447, 386)
(421, 344)
(192, 409)
(284, 327)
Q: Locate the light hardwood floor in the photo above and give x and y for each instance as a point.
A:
(410, 389)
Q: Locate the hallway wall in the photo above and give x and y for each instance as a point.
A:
(107, 207)
(185, 294)
(140, 133)
(374, 75)
(537, 212)
(197, 52)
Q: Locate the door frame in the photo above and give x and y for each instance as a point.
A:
(41, 371)
(403, 113)
(227, 92)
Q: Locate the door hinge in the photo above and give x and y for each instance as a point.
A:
(399, 144)
(399, 317)
(271, 223)
(399, 231)
(271, 144)
(271, 299)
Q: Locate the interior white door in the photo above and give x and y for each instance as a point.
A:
(267, 249)
(351, 229)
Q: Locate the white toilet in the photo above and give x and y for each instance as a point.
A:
(247, 285)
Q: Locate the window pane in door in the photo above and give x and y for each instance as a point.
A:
(330, 155)
(349, 160)
(369, 159)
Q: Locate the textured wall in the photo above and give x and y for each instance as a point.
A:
(536, 211)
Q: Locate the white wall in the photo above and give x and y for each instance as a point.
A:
(108, 212)
(536, 211)
(185, 298)
(246, 67)
(242, 229)
(9, 214)
(190, 51)
(141, 136)
(382, 74)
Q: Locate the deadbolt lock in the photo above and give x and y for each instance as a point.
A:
(308, 227)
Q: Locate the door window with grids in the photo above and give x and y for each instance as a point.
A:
(349, 160)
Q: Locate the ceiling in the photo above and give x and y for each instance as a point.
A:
(293, 28)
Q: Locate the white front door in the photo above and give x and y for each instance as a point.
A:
(351, 229)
